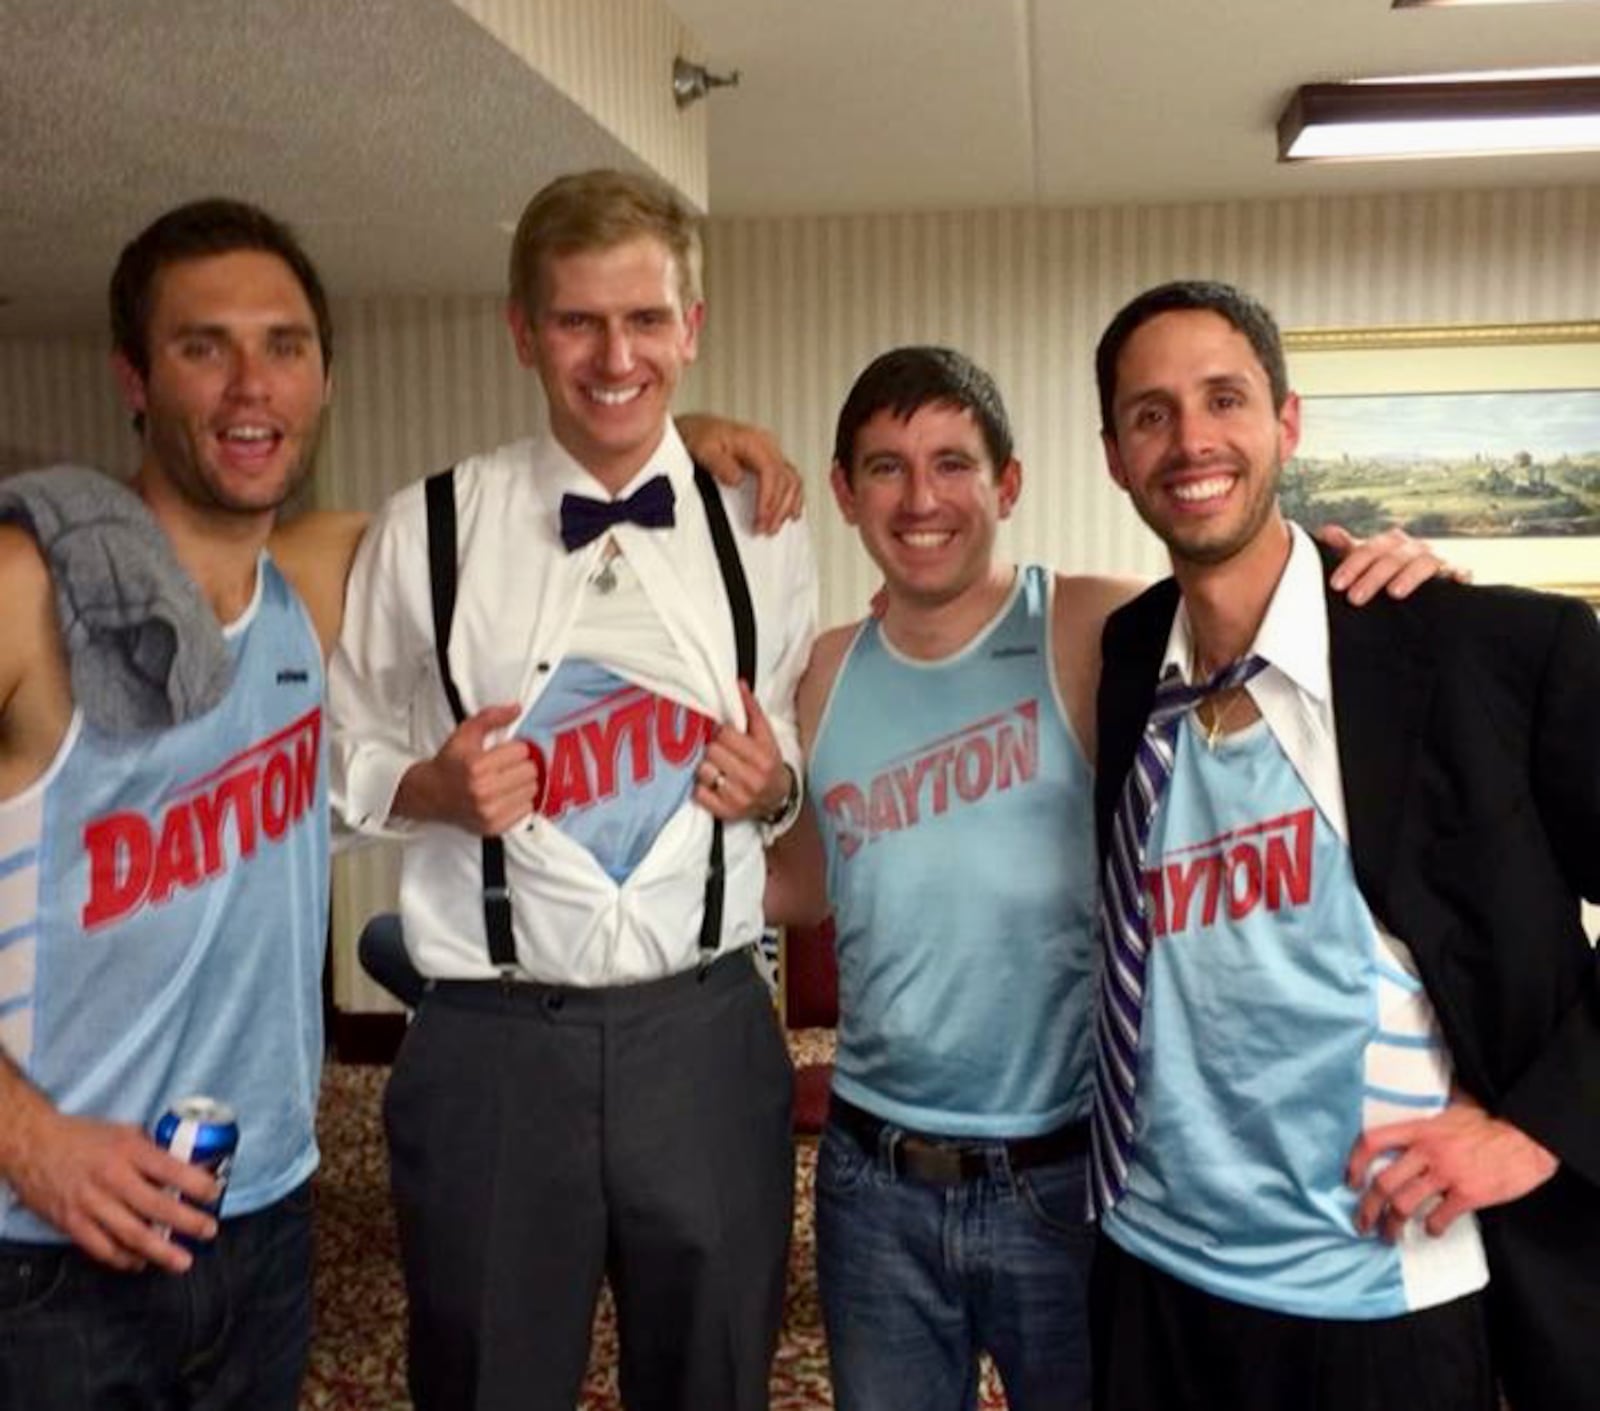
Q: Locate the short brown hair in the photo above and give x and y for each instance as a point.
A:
(214, 226)
(595, 210)
(905, 380)
(1190, 296)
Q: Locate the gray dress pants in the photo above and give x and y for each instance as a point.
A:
(543, 1137)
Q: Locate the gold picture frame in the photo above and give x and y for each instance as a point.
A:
(1461, 363)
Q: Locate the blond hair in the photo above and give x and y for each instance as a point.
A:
(596, 210)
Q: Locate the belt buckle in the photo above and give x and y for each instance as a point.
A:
(934, 1163)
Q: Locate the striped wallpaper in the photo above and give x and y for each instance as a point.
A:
(797, 305)
(614, 59)
(58, 403)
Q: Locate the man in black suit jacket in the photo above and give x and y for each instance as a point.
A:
(1463, 752)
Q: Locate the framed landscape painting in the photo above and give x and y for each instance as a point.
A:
(1485, 437)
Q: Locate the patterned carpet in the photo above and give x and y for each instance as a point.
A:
(357, 1361)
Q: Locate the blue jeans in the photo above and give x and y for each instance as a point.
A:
(230, 1335)
(917, 1279)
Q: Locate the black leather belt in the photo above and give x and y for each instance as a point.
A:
(949, 1161)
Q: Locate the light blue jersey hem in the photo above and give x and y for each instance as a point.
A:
(247, 1202)
(19, 1223)
(1255, 1293)
(982, 1126)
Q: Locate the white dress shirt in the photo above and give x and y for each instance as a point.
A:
(518, 597)
(1295, 692)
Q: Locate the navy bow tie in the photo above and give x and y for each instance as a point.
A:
(584, 518)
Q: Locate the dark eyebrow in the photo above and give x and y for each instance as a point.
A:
(1232, 380)
(295, 328)
(1143, 394)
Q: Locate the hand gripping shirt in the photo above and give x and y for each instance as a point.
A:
(163, 909)
(956, 813)
(602, 894)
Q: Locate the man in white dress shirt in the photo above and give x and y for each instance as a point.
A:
(584, 776)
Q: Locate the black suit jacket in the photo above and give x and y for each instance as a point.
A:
(1468, 723)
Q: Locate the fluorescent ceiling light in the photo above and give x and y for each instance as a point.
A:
(1489, 75)
(1421, 4)
(1377, 120)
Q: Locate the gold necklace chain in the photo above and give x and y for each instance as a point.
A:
(1219, 716)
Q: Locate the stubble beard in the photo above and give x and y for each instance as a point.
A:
(1208, 553)
(183, 467)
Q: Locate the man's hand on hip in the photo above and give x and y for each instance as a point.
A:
(1458, 1160)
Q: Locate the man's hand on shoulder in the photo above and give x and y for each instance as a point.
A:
(730, 450)
(104, 1185)
(1461, 1159)
(1391, 562)
(480, 788)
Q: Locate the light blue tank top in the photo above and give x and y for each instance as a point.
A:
(163, 910)
(956, 813)
(1278, 1024)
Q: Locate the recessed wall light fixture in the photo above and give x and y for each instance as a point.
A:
(691, 81)
(1455, 117)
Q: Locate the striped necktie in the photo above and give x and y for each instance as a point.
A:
(1125, 932)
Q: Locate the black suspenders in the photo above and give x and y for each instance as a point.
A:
(442, 569)
(442, 573)
(744, 650)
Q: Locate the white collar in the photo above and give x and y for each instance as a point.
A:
(558, 472)
(1293, 636)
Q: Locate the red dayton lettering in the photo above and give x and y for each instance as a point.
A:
(616, 741)
(990, 754)
(136, 861)
(1267, 862)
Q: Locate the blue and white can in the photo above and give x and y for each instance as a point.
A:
(203, 1132)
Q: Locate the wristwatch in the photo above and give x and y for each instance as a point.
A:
(782, 818)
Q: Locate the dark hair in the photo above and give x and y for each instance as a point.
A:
(904, 380)
(1243, 312)
(211, 227)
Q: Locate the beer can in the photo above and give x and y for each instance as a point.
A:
(203, 1132)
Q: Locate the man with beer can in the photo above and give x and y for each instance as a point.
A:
(163, 863)
(164, 853)
(163, 840)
